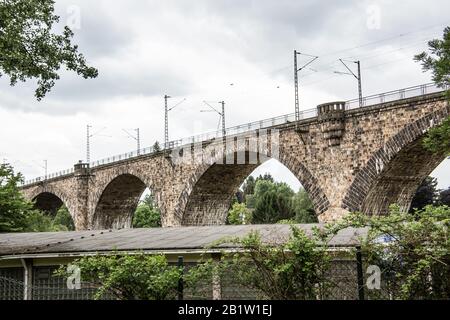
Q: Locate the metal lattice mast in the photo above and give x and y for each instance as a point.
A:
(88, 151)
(45, 166)
(138, 139)
(357, 77)
(224, 131)
(166, 123)
(359, 84)
(297, 104)
(296, 70)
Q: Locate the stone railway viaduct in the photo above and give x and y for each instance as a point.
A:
(362, 159)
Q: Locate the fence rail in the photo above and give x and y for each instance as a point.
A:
(384, 97)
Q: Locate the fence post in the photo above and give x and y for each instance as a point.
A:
(359, 269)
(216, 284)
(27, 279)
(180, 280)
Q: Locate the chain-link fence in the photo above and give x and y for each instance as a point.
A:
(349, 277)
(45, 286)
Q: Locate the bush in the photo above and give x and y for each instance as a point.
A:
(129, 277)
(412, 250)
(294, 269)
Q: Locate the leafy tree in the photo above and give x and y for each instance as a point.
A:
(437, 139)
(129, 277)
(18, 215)
(249, 186)
(438, 62)
(425, 195)
(63, 219)
(30, 50)
(282, 270)
(239, 214)
(147, 214)
(273, 202)
(14, 209)
(156, 147)
(267, 176)
(412, 250)
(444, 197)
(303, 208)
(38, 221)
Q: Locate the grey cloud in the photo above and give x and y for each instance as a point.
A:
(72, 94)
(119, 82)
(100, 33)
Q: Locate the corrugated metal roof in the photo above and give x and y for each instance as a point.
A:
(158, 239)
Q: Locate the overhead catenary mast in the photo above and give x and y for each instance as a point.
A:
(221, 114)
(88, 141)
(135, 137)
(166, 119)
(296, 70)
(88, 148)
(358, 77)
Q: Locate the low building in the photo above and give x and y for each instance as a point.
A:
(27, 260)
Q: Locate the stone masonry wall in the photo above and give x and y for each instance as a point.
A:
(357, 160)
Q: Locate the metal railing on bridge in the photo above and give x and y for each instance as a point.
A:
(371, 100)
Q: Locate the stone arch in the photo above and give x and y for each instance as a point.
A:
(49, 199)
(211, 188)
(395, 171)
(116, 201)
(308, 181)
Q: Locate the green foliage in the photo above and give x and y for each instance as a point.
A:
(270, 202)
(444, 197)
(286, 270)
(250, 201)
(63, 219)
(38, 221)
(273, 202)
(147, 214)
(439, 59)
(239, 214)
(303, 208)
(438, 138)
(416, 257)
(250, 183)
(17, 214)
(156, 147)
(129, 277)
(426, 194)
(30, 50)
(14, 209)
(249, 186)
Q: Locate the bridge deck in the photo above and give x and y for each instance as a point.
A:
(287, 119)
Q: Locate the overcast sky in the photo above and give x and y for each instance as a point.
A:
(196, 50)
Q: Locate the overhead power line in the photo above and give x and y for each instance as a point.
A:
(367, 44)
